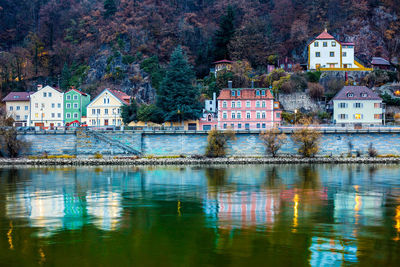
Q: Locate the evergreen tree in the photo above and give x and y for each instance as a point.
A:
(129, 112)
(178, 99)
(65, 77)
(224, 35)
(110, 8)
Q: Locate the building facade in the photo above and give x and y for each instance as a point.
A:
(105, 109)
(327, 53)
(247, 109)
(46, 108)
(75, 103)
(357, 105)
(18, 107)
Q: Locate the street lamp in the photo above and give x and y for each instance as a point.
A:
(295, 113)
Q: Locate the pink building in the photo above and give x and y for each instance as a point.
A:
(248, 109)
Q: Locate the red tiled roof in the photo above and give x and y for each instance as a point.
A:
(121, 96)
(17, 96)
(223, 61)
(76, 90)
(357, 91)
(245, 93)
(325, 35)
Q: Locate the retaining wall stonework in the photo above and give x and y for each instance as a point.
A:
(167, 144)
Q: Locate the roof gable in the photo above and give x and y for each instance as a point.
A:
(118, 95)
(17, 96)
(245, 94)
(324, 35)
(356, 93)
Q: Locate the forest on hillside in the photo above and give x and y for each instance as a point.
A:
(96, 43)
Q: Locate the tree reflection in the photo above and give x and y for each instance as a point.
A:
(216, 177)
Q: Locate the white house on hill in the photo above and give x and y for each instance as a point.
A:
(327, 53)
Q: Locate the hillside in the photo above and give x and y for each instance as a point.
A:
(124, 43)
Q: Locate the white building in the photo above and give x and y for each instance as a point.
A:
(327, 53)
(46, 108)
(357, 105)
(17, 107)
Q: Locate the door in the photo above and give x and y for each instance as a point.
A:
(106, 122)
(52, 126)
(192, 127)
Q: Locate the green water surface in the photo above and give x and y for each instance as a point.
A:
(254, 215)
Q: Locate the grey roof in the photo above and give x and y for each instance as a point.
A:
(379, 61)
(17, 96)
(357, 93)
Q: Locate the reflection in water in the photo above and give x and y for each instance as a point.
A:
(255, 215)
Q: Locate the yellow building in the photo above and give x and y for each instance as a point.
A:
(105, 109)
(187, 125)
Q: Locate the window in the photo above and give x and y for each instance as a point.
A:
(224, 104)
(344, 54)
(263, 92)
(75, 115)
(93, 111)
(239, 125)
(263, 104)
(233, 93)
(75, 97)
(26, 107)
(18, 107)
(106, 111)
(248, 116)
(316, 44)
(224, 115)
(224, 125)
(331, 54)
(378, 116)
(17, 117)
(53, 105)
(233, 104)
(247, 126)
(358, 116)
(332, 65)
(239, 115)
(258, 115)
(44, 94)
(364, 94)
(342, 116)
(333, 43)
(36, 115)
(350, 95)
(342, 105)
(26, 117)
(232, 126)
(42, 105)
(119, 111)
(58, 115)
(233, 115)
(248, 104)
(325, 44)
(239, 104)
(68, 105)
(263, 125)
(317, 54)
(257, 92)
(258, 126)
(68, 115)
(377, 105)
(263, 115)
(98, 111)
(68, 97)
(358, 105)
(59, 105)
(36, 105)
(278, 115)
(49, 94)
(53, 115)
(238, 93)
(75, 105)
(11, 108)
(257, 104)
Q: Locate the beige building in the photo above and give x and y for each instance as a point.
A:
(105, 109)
(46, 109)
(18, 107)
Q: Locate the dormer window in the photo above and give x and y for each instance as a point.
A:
(16, 96)
(350, 95)
(238, 93)
(364, 94)
(257, 92)
(233, 93)
(263, 92)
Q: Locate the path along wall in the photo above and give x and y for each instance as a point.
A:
(164, 144)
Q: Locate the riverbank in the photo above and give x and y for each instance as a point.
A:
(194, 161)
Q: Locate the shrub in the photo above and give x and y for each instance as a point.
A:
(316, 90)
(372, 152)
(98, 155)
(10, 143)
(313, 76)
(308, 139)
(273, 140)
(216, 142)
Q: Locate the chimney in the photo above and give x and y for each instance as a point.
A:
(252, 84)
(39, 87)
(214, 97)
(230, 84)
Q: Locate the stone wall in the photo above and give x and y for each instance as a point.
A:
(164, 144)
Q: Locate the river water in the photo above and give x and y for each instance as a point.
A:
(254, 215)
